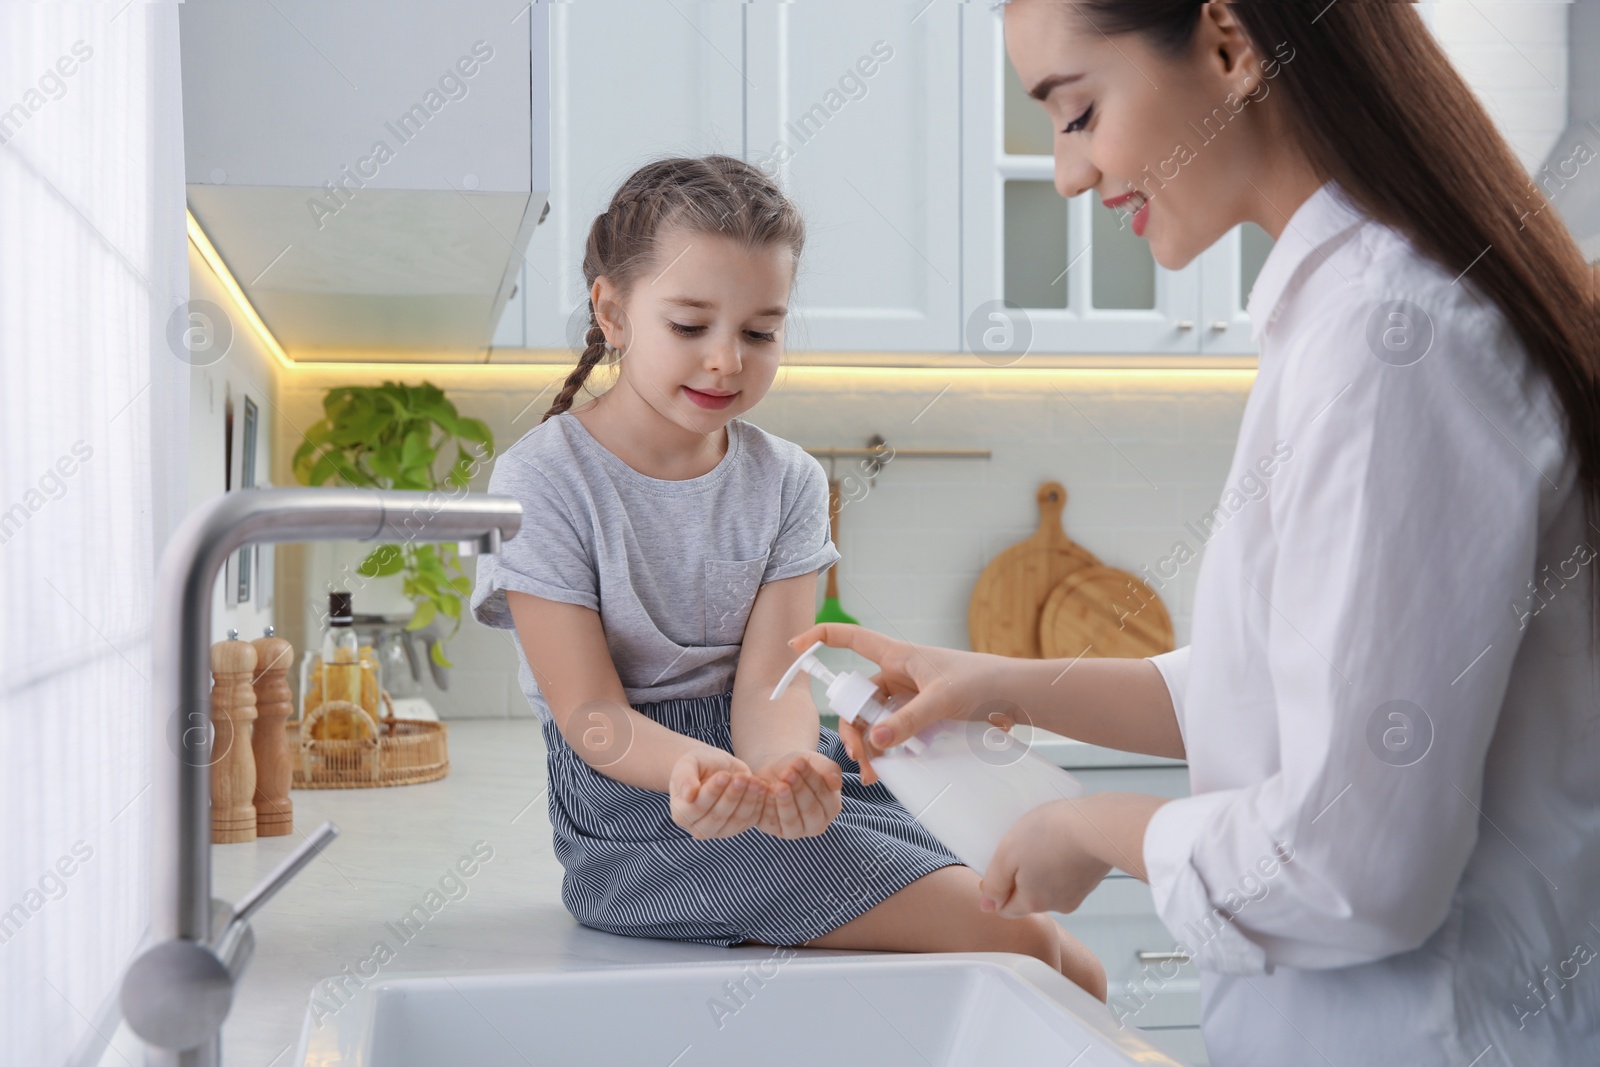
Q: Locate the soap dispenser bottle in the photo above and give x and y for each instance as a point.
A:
(966, 782)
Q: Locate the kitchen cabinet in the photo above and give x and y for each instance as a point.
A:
(630, 81)
(1149, 984)
(924, 172)
(860, 125)
(856, 109)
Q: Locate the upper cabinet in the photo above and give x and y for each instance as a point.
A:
(924, 171)
(370, 182)
(1228, 271)
(630, 81)
(856, 109)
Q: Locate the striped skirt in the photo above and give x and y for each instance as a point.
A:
(631, 870)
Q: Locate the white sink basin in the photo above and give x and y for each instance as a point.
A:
(943, 1009)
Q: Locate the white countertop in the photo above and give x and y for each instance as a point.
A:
(341, 916)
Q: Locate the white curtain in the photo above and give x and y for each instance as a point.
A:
(93, 416)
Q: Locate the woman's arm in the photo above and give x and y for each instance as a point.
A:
(1118, 703)
(1122, 704)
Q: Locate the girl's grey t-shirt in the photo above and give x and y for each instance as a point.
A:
(672, 567)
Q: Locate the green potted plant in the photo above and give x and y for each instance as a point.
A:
(393, 436)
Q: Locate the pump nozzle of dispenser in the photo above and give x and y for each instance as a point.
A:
(851, 695)
(809, 663)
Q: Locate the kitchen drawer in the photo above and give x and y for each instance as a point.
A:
(1182, 1043)
(1118, 923)
(1147, 986)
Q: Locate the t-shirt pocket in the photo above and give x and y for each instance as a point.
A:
(730, 590)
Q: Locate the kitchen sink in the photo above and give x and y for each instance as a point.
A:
(944, 1009)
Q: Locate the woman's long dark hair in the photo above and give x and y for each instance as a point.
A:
(1378, 108)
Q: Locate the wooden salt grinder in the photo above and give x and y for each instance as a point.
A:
(269, 741)
(233, 764)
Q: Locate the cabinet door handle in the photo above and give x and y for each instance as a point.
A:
(1219, 326)
(1185, 324)
(1147, 956)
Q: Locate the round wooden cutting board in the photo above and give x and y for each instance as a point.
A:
(1103, 611)
(1004, 615)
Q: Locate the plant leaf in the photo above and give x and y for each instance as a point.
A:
(323, 469)
(460, 475)
(477, 430)
(426, 610)
(382, 562)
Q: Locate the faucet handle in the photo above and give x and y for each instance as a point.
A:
(234, 943)
(177, 994)
(292, 864)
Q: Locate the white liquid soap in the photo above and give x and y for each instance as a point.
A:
(966, 782)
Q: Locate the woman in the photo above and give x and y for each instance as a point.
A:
(1389, 705)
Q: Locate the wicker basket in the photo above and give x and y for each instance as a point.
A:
(402, 752)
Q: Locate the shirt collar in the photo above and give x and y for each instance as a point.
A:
(1324, 216)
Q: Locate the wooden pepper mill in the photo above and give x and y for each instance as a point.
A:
(233, 764)
(269, 740)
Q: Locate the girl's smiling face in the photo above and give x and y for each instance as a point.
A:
(1164, 139)
(702, 331)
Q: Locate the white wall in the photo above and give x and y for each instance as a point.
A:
(1514, 55)
(245, 370)
(1140, 452)
(92, 447)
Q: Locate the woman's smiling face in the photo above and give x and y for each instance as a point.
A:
(1170, 141)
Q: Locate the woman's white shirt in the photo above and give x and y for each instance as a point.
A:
(1391, 700)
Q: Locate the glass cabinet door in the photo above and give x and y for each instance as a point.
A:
(1229, 269)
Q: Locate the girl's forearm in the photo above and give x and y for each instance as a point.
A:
(764, 730)
(624, 745)
(1119, 703)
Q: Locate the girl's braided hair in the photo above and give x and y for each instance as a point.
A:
(715, 195)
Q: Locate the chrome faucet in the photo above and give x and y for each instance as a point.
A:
(177, 993)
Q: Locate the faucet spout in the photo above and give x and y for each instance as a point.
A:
(180, 902)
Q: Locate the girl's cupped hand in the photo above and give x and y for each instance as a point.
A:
(802, 794)
(714, 794)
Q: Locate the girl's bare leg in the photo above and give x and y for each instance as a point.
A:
(939, 913)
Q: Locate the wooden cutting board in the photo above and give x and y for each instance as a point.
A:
(1103, 611)
(1010, 594)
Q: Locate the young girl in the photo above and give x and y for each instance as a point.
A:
(668, 551)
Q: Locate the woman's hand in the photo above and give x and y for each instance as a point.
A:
(944, 683)
(714, 794)
(1041, 864)
(1054, 856)
(802, 794)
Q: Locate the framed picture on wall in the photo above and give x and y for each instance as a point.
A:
(242, 436)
